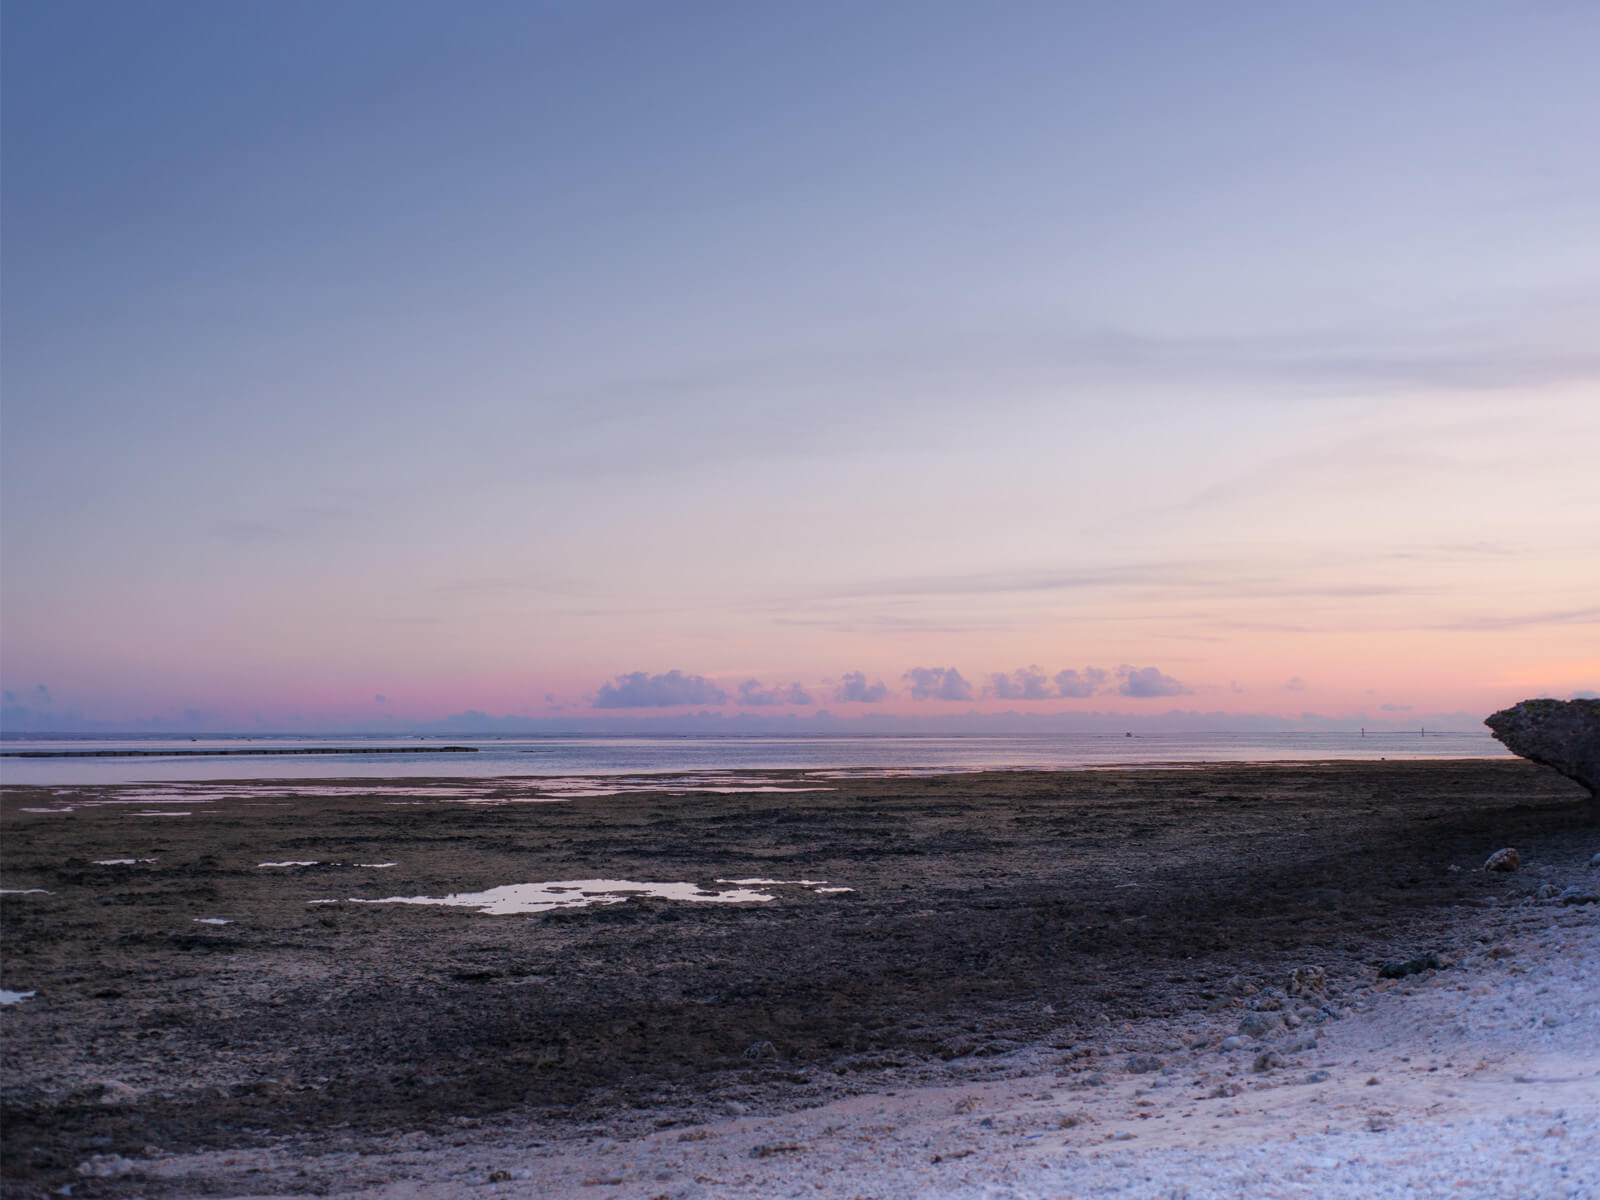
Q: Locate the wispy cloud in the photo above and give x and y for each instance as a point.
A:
(1489, 624)
(991, 583)
(882, 623)
(701, 407)
(490, 584)
(302, 522)
(1215, 578)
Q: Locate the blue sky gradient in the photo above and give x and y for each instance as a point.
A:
(474, 354)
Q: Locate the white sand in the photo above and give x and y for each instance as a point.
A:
(1482, 1080)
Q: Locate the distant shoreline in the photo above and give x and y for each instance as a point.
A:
(226, 753)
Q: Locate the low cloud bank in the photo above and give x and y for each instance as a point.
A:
(854, 689)
(639, 690)
(752, 694)
(1025, 683)
(937, 683)
(1075, 685)
(1144, 682)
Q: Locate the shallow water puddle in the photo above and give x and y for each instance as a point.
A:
(210, 792)
(25, 892)
(7, 996)
(312, 863)
(492, 790)
(574, 893)
(577, 893)
(820, 886)
(377, 866)
(145, 798)
(121, 862)
(213, 921)
(574, 787)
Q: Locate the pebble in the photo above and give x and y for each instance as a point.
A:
(1506, 859)
(1255, 1024)
(1411, 966)
(106, 1166)
(1308, 981)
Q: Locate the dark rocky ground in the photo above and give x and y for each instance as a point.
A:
(990, 911)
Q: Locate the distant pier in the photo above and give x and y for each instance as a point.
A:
(227, 753)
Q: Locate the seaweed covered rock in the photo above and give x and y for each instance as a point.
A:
(1561, 734)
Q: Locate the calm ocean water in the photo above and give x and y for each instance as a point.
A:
(583, 756)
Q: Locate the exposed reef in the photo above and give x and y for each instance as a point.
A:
(1561, 734)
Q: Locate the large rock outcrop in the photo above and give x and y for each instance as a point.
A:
(1561, 734)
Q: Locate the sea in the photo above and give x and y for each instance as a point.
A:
(170, 758)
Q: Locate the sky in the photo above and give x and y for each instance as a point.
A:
(371, 361)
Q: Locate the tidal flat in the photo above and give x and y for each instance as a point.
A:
(214, 985)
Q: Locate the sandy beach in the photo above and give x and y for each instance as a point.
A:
(984, 984)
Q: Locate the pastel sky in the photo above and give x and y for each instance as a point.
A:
(370, 360)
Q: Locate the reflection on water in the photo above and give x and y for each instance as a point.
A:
(775, 882)
(577, 893)
(820, 886)
(7, 996)
(487, 791)
(213, 921)
(721, 782)
(515, 760)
